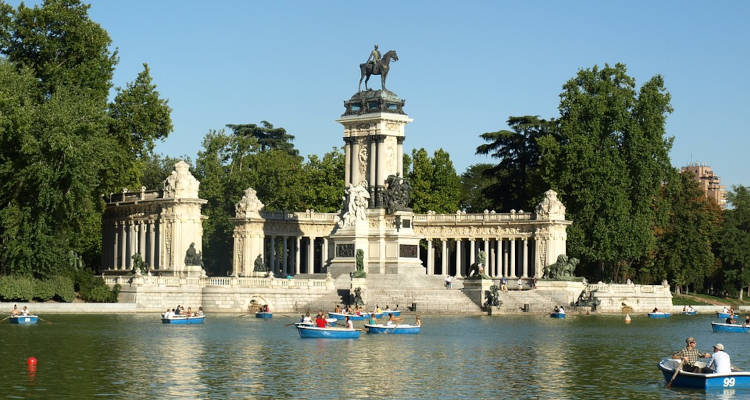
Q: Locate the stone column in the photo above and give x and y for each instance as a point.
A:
(458, 258)
(348, 165)
(324, 254)
(491, 261)
(355, 163)
(151, 246)
(506, 265)
(525, 258)
(284, 259)
(444, 260)
(371, 162)
(296, 255)
(311, 255)
(123, 244)
(472, 251)
(512, 258)
(400, 156)
(499, 271)
(272, 254)
(142, 240)
(115, 264)
(380, 173)
(430, 258)
(487, 255)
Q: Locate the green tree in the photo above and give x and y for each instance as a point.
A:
(435, 184)
(269, 138)
(475, 182)
(324, 181)
(608, 162)
(517, 182)
(683, 252)
(733, 244)
(63, 146)
(61, 45)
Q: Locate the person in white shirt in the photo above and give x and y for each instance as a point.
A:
(349, 323)
(719, 363)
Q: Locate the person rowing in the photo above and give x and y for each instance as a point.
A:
(690, 355)
(14, 311)
(349, 323)
(321, 322)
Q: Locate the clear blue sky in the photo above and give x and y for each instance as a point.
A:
(464, 66)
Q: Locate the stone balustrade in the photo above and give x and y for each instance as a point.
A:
(227, 282)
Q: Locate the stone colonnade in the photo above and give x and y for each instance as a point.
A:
(508, 257)
(159, 225)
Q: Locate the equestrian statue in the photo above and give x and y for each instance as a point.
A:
(376, 66)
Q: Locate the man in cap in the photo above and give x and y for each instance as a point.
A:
(720, 363)
(689, 355)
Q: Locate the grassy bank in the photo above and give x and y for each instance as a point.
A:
(706, 300)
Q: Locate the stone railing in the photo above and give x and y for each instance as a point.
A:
(489, 217)
(307, 216)
(225, 282)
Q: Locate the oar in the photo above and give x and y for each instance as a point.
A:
(44, 320)
(5, 318)
(676, 371)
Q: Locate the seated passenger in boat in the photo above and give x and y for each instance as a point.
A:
(25, 311)
(747, 320)
(690, 355)
(166, 314)
(725, 310)
(561, 310)
(337, 309)
(176, 310)
(730, 319)
(373, 320)
(684, 308)
(655, 310)
(190, 312)
(307, 319)
(200, 311)
(387, 307)
(320, 322)
(690, 308)
(719, 363)
(418, 321)
(349, 323)
(392, 320)
(14, 311)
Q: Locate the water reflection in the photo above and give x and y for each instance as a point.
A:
(135, 356)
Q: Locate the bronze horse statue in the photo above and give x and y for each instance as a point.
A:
(380, 68)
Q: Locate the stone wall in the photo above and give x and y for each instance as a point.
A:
(641, 298)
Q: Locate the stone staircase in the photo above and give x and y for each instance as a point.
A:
(428, 293)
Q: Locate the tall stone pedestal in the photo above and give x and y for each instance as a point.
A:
(388, 242)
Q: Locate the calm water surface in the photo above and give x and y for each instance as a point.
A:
(231, 356)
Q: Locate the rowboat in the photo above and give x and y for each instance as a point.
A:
(181, 320)
(723, 315)
(689, 312)
(327, 333)
(263, 314)
(659, 315)
(24, 319)
(739, 380)
(394, 329)
(353, 317)
(557, 315)
(395, 313)
(720, 327)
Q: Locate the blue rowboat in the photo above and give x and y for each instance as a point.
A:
(394, 329)
(557, 315)
(263, 314)
(395, 313)
(689, 312)
(327, 333)
(739, 380)
(659, 315)
(722, 315)
(353, 317)
(24, 319)
(180, 320)
(720, 327)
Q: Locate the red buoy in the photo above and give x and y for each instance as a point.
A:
(31, 362)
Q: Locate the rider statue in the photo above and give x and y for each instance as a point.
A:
(374, 58)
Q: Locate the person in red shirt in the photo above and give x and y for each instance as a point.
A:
(320, 322)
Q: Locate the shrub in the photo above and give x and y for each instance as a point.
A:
(43, 290)
(16, 288)
(64, 290)
(92, 288)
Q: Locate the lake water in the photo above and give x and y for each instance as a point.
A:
(232, 356)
